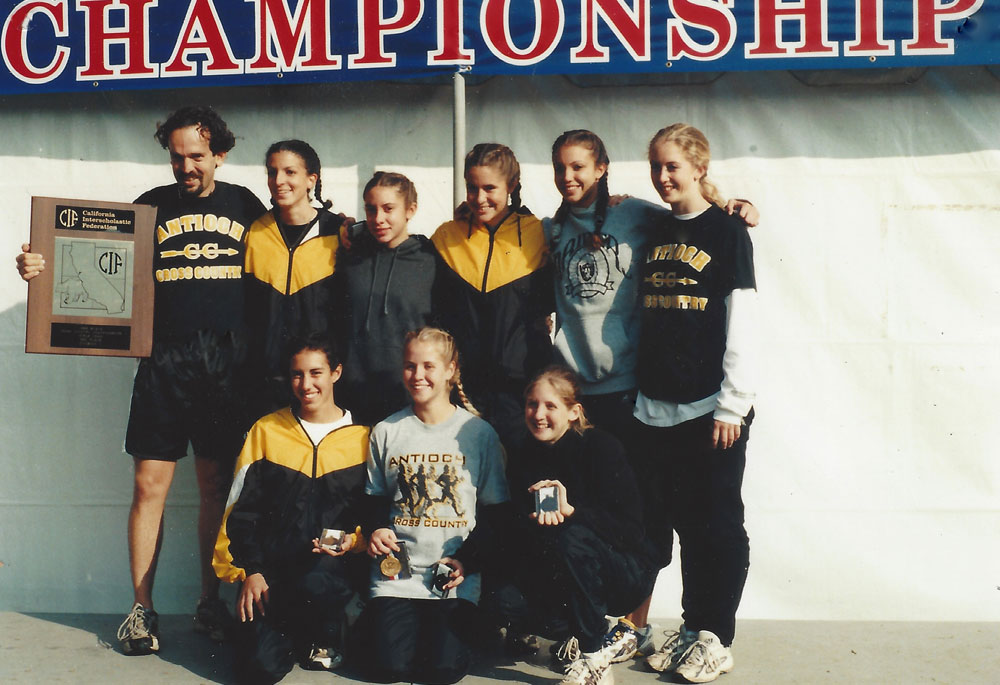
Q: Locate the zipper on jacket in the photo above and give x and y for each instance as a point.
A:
(288, 276)
(493, 236)
(489, 255)
(291, 250)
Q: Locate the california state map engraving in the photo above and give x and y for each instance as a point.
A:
(92, 278)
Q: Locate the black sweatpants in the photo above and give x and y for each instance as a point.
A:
(305, 607)
(695, 490)
(566, 586)
(416, 640)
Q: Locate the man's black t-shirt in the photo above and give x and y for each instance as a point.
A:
(198, 258)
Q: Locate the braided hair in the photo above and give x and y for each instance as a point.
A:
(590, 141)
(308, 156)
(501, 158)
(449, 352)
(694, 145)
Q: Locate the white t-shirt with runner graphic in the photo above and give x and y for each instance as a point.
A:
(435, 476)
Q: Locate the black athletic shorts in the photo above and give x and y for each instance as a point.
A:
(190, 391)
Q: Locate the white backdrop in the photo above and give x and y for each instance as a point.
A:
(872, 481)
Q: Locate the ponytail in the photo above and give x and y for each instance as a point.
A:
(694, 145)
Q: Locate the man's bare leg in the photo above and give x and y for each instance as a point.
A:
(145, 524)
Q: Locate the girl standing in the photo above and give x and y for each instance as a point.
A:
(290, 257)
(585, 549)
(498, 289)
(388, 278)
(695, 400)
(435, 478)
(596, 250)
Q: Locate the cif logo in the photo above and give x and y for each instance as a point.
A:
(110, 262)
(68, 217)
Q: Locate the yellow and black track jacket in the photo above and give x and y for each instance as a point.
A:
(285, 491)
(290, 289)
(497, 294)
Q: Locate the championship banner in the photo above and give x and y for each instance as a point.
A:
(86, 45)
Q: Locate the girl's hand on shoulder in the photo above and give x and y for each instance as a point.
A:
(744, 210)
(724, 435)
(565, 510)
(382, 541)
(616, 200)
(457, 572)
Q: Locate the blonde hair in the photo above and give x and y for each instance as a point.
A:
(449, 353)
(694, 145)
(567, 386)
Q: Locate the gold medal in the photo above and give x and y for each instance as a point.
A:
(390, 566)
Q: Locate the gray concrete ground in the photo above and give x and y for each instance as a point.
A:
(77, 648)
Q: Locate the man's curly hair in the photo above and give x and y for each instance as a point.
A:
(208, 121)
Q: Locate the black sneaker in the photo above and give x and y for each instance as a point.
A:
(212, 618)
(139, 632)
(323, 659)
(521, 645)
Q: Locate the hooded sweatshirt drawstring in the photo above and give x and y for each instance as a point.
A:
(388, 284)
(371, 292)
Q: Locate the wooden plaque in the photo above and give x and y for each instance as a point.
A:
(95, 296)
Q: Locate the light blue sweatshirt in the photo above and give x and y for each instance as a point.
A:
(596, 293)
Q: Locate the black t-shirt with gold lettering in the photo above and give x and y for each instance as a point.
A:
(691, 267)
(198, 258)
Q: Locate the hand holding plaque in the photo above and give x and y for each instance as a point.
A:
(95, 294)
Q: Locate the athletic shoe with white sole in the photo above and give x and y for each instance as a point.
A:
(622, 641)
(590, 669)
(669, 655)
(566, 652)
(139, 632)
(706, 659)
(212, 618)
(629, 641)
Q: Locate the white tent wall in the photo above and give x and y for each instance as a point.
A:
(872, 483)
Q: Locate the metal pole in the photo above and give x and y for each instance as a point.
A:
(459, 139)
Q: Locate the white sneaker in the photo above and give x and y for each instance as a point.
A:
(705, 660)
(566, 652)
(592, 669)
(622, 641)
(669, 655)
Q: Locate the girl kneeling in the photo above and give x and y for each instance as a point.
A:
(435, 476)
(584, 545)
